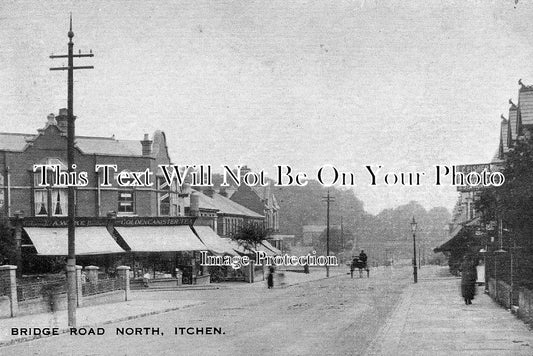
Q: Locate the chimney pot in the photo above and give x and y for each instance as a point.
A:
(51, 119)
(61, 119)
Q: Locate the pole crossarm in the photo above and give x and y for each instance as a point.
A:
(73, 56)
(67, 68)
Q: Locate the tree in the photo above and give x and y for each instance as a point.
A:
(250, 234)
(7, 244)
(513, 201)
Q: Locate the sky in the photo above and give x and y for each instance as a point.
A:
(402, 84)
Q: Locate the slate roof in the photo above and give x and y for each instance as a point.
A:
(265, 194)
(223, 204)
(525, 103)
(14, 141)
(17, 142)
(109, 146)
(227, 206)
(513, 122)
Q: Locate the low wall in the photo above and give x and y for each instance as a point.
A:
(525, 305)
(104, 298)
(40, 305)
(202, 280)
(5, 307)
(500, 292)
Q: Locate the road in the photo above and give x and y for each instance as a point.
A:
(336, 316)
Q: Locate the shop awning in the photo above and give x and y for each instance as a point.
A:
(271, 248)
(214, 242)
(160, 238)
(237, 247)
(459, 235)
(92, 240)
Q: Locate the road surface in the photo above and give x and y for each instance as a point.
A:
(335, 316)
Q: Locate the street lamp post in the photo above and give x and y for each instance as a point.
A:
(413, 229)
(328, 199)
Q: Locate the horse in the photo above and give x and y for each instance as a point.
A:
(357, 263)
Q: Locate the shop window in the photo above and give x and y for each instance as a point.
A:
(126, 202)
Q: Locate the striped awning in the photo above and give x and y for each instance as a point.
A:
(91, 240)
(160, 238)
(214, 243)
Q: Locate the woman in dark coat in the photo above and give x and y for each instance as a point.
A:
(270, 278)
(468, 279)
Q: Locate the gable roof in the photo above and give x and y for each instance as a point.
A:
(228, 206)
(525, 104)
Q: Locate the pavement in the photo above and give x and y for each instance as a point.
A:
(432, 319)
(143, 303)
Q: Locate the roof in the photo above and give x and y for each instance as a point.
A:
(14, 141)
(228, 206)
(109, 146)
(525, 103)
(18, 142)
(513, 123)
(266, 195)
(458, 235)
(318, 228)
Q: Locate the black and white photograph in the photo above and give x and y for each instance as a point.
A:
(233, 177)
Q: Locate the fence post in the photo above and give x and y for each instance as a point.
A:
(79, 285)
(92, 274)
(8, 282)
(124, 277)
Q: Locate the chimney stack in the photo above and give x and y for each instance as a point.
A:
(223, 192)
(61, 119)
(209, 191)
(194, 207)
(147, 146)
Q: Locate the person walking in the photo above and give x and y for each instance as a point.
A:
(353, 265)
(270, 278)
(364, 258)
(468, 279)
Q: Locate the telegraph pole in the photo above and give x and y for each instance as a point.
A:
(342, 238)
(71, 259)
(328, 199)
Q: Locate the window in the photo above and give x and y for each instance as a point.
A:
(163, 197)
(126, 202)
(51, 200)
(59, 202)
(41, 202)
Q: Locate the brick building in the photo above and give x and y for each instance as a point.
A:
(20, 190)
(129, 236)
